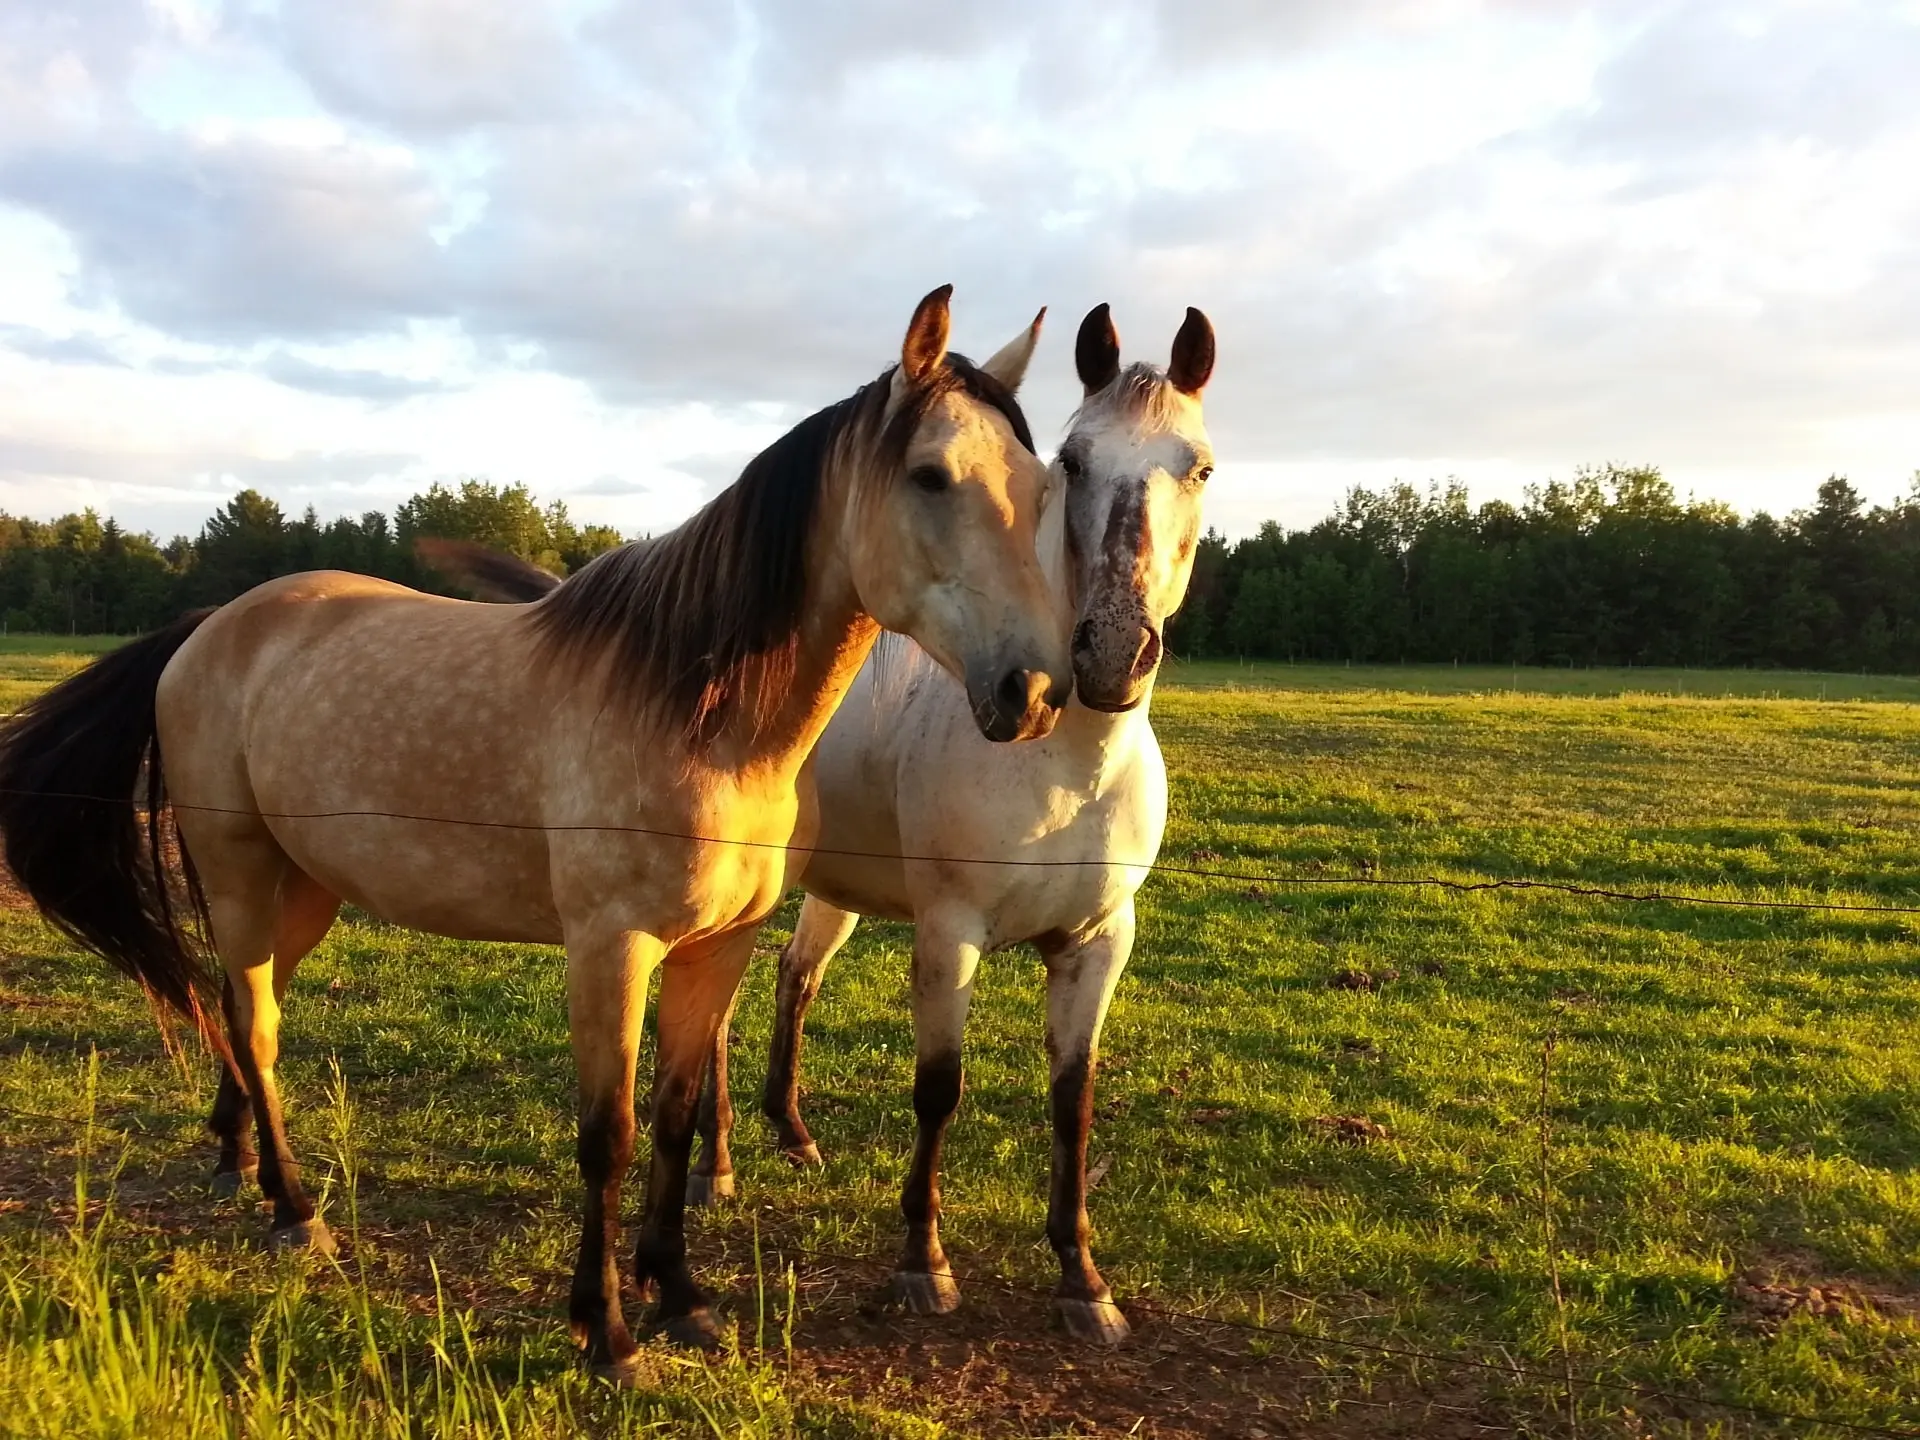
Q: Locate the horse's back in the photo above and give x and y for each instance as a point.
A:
(331, 645)
(319, 706)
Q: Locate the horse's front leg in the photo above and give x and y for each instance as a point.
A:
(697, 987)
(1081, 976)
(607, 976)
(945, 956)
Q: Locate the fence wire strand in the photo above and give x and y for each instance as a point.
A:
(1156, 867)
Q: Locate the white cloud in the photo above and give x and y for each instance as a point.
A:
(608, 249)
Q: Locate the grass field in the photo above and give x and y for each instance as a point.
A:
(30, 663)
(1605, 681)
(1321, 1109)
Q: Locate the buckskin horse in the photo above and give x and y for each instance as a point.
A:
(621, 768)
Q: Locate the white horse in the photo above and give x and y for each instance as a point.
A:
(1073, 820)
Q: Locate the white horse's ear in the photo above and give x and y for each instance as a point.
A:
(1096, 350)
(1010, 361)
(1192, 364)
(925, 348)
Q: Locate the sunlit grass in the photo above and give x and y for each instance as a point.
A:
(1734, 1096)
(1543, 680)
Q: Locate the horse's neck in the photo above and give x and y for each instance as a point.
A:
(1112, 737)
(833, 641)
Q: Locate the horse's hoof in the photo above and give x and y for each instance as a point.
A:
(919, 1293)
(705, 1190)
(1097, 1322)
(309, 1235)
(807, 1154)
(228, 1183)
(694, 1330)
(621, 1374)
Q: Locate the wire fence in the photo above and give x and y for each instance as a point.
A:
(1144, 866)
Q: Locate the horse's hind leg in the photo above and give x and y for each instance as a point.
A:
(306, 914)
(821, 931)
(711, 1179)
(239, 1159)
(1081, 977)
(246, 876)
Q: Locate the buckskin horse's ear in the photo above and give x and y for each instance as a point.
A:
(1009, 362)
(1096, 349)
(925, 347)
(1192, 364)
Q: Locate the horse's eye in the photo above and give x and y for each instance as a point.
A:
(1070, 464)
(930, 478)
(1202, 475)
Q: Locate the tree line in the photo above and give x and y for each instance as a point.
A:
(1609, 568)
(81, 574)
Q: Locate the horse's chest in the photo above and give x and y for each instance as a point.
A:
(741, 882)
(1063, 861)
(1079, 889)
(741, 892)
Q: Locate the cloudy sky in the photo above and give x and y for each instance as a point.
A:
(336, 249)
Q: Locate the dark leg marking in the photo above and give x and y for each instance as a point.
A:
(605, 1150)
(780, 1100)
(1082, 1298)
(294, 1224)
(660, 1256)
(711, 1179)
(239, 1160)
(923, 1282)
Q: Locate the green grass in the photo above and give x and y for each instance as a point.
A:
(19, 644)
(30, 663)
(1610, 681)
(1734, 1101)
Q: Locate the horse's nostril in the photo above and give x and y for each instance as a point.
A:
(1020, 689)
(1083, 635)
(1149, 654)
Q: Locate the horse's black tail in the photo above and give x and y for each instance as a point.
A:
(71, 766)
(485, 574)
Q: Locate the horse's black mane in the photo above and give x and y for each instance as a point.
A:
(706, 619)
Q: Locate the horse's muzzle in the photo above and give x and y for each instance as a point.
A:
(1113, 665)
(1020, 705)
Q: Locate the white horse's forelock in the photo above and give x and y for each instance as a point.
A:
(1142, 390)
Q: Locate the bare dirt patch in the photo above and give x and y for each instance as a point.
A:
(12, 897)
(1781, 1286)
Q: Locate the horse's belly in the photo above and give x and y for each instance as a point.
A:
(480, 887)
(863, 885)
